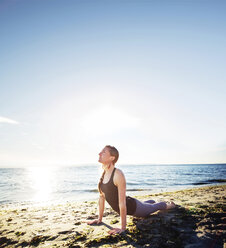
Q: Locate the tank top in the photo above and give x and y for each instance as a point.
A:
(111, 196)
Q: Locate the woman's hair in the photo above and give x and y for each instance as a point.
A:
(114, 152)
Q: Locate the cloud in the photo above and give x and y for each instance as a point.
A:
(7, 120)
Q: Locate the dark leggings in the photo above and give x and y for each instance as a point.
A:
(143, 209)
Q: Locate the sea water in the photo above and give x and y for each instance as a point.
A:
(79, 183)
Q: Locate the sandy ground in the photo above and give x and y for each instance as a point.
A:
(198, 221)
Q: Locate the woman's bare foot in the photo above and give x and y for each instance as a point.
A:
(170, 205)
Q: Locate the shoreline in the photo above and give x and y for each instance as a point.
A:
(138, 193)
(198, 220)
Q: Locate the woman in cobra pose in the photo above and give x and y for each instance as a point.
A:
(112, 188)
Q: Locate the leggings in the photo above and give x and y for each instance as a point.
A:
(143, 209)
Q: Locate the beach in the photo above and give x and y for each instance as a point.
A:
(198, 220)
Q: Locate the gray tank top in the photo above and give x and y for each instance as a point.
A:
(111, 195)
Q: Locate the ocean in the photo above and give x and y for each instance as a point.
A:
(79, 183)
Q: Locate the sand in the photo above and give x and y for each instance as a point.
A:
(198, 220)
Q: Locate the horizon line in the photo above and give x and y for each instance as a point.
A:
(94, 164)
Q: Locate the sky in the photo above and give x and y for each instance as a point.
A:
(147, 77)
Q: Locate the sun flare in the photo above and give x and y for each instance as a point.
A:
(41, 178)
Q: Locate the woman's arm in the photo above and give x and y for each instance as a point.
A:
(101, 211)
(120, 182)
(101, 207)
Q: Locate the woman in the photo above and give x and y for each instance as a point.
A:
(112, 188)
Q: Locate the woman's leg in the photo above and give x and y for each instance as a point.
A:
(150, 201)
(143, 209)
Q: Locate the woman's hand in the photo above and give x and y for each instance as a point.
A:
(116, 230)
(91, 222)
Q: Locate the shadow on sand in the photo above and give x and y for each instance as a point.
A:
(177, 228)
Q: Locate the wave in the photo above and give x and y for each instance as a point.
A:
(210, 181)
(84, 190)
(96, 190)
(137, 189)
(143, 183)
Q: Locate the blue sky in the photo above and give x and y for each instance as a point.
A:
(145, 76)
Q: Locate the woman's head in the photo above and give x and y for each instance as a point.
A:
(109, 155)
